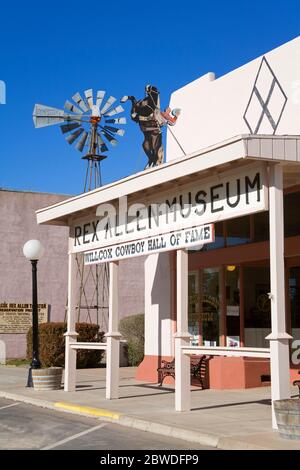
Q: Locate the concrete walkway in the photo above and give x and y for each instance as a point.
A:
(236, 419)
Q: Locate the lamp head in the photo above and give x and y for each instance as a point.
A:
(33, 250)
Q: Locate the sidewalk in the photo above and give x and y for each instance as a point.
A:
(236, 419)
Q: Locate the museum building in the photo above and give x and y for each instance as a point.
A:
(235, 156)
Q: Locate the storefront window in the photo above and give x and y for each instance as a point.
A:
(257, 306)
(261, 226)
(292, 214)
(219, 238)
(232, 305)
(238, 231)
(294, 292)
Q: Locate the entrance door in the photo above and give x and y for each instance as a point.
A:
(294, 294)
(204, 306)
(232, 282)
(257, 306)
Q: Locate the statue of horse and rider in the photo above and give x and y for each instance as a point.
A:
(146, 112)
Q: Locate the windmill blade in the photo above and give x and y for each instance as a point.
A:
(46, 116)
(121, 120)
(114, 130)
(116, 110)
(80, 101)
(109, 137)
(100, 140)
(108, 104)
(80, 145)
(100, 96)
(89, 96)
(72, 137)
(101, 144)
(69, 127)
(71, 107)
(75, 117)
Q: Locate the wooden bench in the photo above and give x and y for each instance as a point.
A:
(198, 369)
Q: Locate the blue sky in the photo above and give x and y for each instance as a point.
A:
(51, 49)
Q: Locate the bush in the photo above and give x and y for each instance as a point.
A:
(132, 328)
(52, 344)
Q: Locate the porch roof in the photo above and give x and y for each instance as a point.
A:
(233, 152)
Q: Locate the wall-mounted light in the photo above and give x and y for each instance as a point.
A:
(231, 268)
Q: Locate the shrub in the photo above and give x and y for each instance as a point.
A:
(132, 328)
(52, 344)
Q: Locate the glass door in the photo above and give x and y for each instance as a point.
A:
(210, 306)
(294, 294)
(204, 306)
(193, 312)
(232, 280)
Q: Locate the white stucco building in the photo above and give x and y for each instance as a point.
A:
(235, 159)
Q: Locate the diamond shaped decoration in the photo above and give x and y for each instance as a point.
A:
(267, 102)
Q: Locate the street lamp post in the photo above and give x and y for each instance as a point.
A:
(33, 250)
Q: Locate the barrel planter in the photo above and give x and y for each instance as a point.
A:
(288, 418)
(47, 379)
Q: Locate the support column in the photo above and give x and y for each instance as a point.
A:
(71, 335)
(279, 339)
(159, 320)
(223, 307)
(182, 337)
(113, 336)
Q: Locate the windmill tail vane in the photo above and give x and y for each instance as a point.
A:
(86, 122)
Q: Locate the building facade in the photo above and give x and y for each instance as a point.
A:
(233, 164)
(18, 225)
(229, 280)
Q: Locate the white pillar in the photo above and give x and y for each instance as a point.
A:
(158, 303)
(113, 336)
(71, 335)
(279, 339)
(182, 337)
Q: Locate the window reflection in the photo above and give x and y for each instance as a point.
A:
(238, 231)
(291, 215)
(219, 238)
(232, 277)
(261, 226)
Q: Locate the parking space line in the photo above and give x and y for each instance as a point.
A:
(8, 406)
(75, 436)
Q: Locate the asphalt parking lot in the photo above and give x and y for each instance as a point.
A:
(24, 426)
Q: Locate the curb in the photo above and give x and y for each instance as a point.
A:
(87, 410)
(126, 421)
(205, 439)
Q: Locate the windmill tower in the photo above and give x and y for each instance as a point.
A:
(90, 125)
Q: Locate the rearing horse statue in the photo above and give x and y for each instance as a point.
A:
(146, 112)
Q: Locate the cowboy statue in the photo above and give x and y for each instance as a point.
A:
(146, 112)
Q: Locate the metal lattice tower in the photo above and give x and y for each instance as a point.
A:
(82, 122)
(93, 299)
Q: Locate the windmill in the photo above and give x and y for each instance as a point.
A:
(89, 124)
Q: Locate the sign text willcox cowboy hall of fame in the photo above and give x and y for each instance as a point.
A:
(186, 238)
(17, 318)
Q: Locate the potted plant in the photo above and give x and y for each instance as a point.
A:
(288, 417)
(48, 378)
(52, 352)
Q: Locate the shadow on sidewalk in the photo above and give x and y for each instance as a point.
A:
(267, 402)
